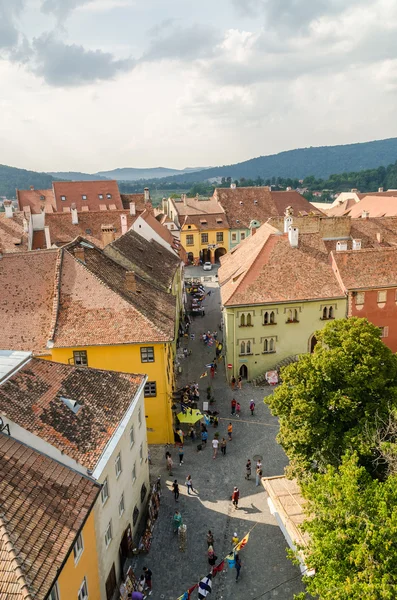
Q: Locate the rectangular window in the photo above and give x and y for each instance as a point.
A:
(219, 236)
(140, 416)
(141, 452)
(100, 196)
(117, 465)
(83, 591)
(54, 594)
(242, 235)
(384, 331)
(108, 196)
(204, 238)
(147, 354)
(63, 198)
(108, 534)
(105, 491)
(150, 389)
(132, 436)
(189, 240)
(382, 296)
(80, 358)
(234, 237)
(121, 505)
(360, 297)
(134, 473)
(78, 548)
(84, 197)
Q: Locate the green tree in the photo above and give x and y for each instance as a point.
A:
(352, 529)
(332, 400)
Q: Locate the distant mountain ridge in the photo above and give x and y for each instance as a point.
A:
(131, 174)
(75, 176)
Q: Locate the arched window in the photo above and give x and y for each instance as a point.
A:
(295, 314)
(331, 312)
(290, 315)
(271, 345)
(266, 346)
(325, 314)
(242, 348)
(266, 318)
(242, 320)
(249, 320)
(248, 347)
(272, 317)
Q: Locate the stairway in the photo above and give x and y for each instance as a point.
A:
(261, 379)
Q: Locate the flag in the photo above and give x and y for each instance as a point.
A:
(203, 374)
(205, 587)
(209, 365)
(191, 590)
(241, 544)
(218, 569)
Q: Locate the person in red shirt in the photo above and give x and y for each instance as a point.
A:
(233, 406)
(235, 497)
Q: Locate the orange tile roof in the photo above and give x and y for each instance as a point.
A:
(264, 268)
(36, 200)
(341, 209)
(377, 206)
(75, 190)
(368, 230)
(31, 397)
(139, 199)
(368, 268)
(43, 508)
(163, 232)
(205, 222)
(12, 236)
(195, 206)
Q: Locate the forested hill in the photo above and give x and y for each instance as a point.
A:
(12, 178)
(319, 162)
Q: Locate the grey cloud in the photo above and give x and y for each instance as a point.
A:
(9, 11)
(181, 43)
(72, 65)
(61, 8)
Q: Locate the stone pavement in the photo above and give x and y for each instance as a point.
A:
(264, 562)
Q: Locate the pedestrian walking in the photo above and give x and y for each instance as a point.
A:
(238, 409)
(233, 382)
(237, 566)
(210, 538)
(175, 489)
(235, 539)
(204, 437)
(189, 484)
(177, 520)
(223, 446)
(239, 382)
(180, 452)
(252, 407)
(258, 464)
(258, 476)
(211, 556)
(169, 464)
(215, 445)
(148, 579)
(233, 405)
(192, 433)
(212, 371)
(248, 469)
(230, 431)
(235, 497)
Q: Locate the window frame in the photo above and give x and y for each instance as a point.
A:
(84, 196)
(148, 391)
(117, 465)
(204, 238)
(147, 354)
(63, 198)
(109, 528)
(189, 239)
(109, 196)
(234, 237)
(105, 486)
(135, 515)
(81, 588)
(269, 345)
(381, 292)
(54, 593)
(359, 295)
(141, 453)
(80, 543)
(121, 502)
(242, 235)
(133, 472)
(132, 437)
(83, 355)
(219, 237)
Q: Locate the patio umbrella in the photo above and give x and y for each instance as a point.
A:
(191, 416)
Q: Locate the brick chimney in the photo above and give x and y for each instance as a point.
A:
(124, 226)
(107, 234)
(365, 214)
(132, 209)
(253, 231)
(79, 253)
(146, 195)
(8, 209)
(232, 186)
(31, 187)
(293, 236)
(130, 281)
(75, 216)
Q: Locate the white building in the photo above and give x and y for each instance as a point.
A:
(93, 421)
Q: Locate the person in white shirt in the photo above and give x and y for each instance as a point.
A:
(215, 445)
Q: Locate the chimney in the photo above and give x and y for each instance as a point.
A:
(340, 246)
(32, 187)
(47, 236)
(25, 225)
(354, 190)
(379, 237)
(130, 281)
(146, 194)
(75, 216)
(124, 226)
(132, 209)
(365, 214)
(183, 198)
(253, 231)
(293, 236)
(289, 211)
(8, 208)
(232, 186)
(356, 245)
(107, 234)
(380, 189)
(79, 253)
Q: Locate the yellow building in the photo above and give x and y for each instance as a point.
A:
(204, 228)
(47, 546)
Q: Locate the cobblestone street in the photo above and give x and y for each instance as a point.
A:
(264, 562)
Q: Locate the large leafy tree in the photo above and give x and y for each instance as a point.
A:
(331, 401)
(352, 529)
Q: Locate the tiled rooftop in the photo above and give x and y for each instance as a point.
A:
(36, 200)
(139, 199)
(205, 222)
(370, 268)
(377, 206)
(43, 507)
(96, 193)
(32, 398)
(12, 236)
(195, 206)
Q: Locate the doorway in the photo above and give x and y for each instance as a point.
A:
(243, 372)
(218, 253)
(111, 583)
(312, 343)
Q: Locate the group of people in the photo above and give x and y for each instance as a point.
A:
(258, 469)
(144, 586)
(190, 393)
(210, 338)
(236, 382)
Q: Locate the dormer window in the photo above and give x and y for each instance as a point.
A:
(255, 201)
(108, 196)
(42, 197)
(100, 196)
(241, 202)
(84, 197)
(63, 198)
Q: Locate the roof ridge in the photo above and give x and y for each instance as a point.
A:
(19, 574)
(56, 295)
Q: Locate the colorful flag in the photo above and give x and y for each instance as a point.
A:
(209, 365)
(203, 374)
(191, 590)
(219, 568)
(205, 587)
(241, 544)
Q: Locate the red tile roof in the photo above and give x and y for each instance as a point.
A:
(195, 206)
(264, 268)
(12, 236)
(138, 199)
(43, 508)
(377, 206)
(74, 191)
(36, 200)
(32, 398)
(369, 268)
(205, 222)
(164, 233)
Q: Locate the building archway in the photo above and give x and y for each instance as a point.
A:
(205, 255)
(190, 258)
(218, 253)
(312, 343)
(243, 372)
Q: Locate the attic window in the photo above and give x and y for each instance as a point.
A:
(72, 404)
(108, 196)
(203, 221)
(42, 197)
(189, 226)
(84, 197)
(241, 202)
(88, 231)
(63, 198)
(115, 229)
(255, 201)
(100, 196)
(219, 221)
(237, 221)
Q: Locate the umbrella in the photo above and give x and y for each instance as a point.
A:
(190, 416)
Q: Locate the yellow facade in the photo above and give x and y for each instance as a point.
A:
(196, 241)
(127, 358)
(74, 571)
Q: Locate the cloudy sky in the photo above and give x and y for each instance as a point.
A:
(97, 84)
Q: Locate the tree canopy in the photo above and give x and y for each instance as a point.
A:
(330, 400)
